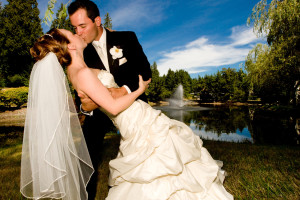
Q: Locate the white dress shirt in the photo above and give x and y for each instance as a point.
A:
(101, 49)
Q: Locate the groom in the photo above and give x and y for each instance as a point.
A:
(121, 54)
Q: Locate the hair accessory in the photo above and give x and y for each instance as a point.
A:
(49, 35)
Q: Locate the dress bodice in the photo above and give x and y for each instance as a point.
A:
(107, 79)
(133, 113)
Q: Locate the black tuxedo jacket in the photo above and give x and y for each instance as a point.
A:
(127, 73)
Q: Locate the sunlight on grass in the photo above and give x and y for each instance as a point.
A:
(10, 172)
(254, 171)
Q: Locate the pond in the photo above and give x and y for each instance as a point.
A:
(239, 123)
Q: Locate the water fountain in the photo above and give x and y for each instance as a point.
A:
(178, 107)
(176, 99)
(182, 110)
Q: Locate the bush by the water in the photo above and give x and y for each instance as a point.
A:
(13, 97)
(17, 80)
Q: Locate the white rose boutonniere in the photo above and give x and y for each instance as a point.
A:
(116, 52)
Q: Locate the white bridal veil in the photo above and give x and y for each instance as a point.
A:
(55, 160)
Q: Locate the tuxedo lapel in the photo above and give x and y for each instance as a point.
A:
(113, 64)
(92, 58)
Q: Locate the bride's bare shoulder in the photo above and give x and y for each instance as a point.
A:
(84, 72)
(87, 72)
(87, 76)
(95, 71)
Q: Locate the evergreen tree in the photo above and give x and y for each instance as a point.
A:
(170, 82)
(21, 26)
(62, 21)
(227, 84)
(207, 89)
(183, 77)
(107, 21)
(156, 90)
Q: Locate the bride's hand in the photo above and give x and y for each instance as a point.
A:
(143, 85)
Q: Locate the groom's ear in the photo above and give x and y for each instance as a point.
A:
(98, 21)
(71, 46)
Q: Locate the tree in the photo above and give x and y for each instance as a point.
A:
(241, 87)
(170, 82)
(2, 39)
(61, 20)
(107, 21)
(227, 84)
(20, 27)
(2, 79)
(156, 90)
(183, 77)
(277, 65)
(206, 88)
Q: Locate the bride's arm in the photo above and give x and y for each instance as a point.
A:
(94, 89)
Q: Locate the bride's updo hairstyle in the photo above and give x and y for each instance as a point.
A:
(53, 41)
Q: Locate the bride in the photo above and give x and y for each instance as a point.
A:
(159, 158)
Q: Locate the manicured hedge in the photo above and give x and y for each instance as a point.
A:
(13, 97)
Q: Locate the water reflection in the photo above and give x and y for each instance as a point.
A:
(238, 124)
(238, 136)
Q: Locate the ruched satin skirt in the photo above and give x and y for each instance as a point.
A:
(160, 158)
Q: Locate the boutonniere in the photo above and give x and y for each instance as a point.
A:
(116, 53)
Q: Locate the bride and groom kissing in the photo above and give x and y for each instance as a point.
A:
(158, 158)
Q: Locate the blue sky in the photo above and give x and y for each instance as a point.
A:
(199, 36)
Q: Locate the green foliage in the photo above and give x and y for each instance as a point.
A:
(170, 82)
(61, 20)
(49, 12)
(2, 80)
(1, 31)
(107, 21)
(156, 91)
(17, 80)
(163, 87)
(225, 85)
(20, 27)
(173, 79)
(183, 77)
(13, 97)
(274, 69)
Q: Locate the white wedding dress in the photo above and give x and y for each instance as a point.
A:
(160, 158)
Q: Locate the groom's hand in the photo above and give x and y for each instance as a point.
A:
(87, 104)
(117, 92)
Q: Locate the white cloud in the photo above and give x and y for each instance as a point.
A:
(137, 13)
(242, 35)
(202, 53)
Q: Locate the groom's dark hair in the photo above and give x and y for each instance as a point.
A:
(90, 7)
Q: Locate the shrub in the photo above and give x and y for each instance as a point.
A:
(13, 97)
(17, 80)
(2, 80)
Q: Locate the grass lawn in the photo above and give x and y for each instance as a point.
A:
(254, 172)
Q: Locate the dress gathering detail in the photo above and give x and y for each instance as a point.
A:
(160, 158)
